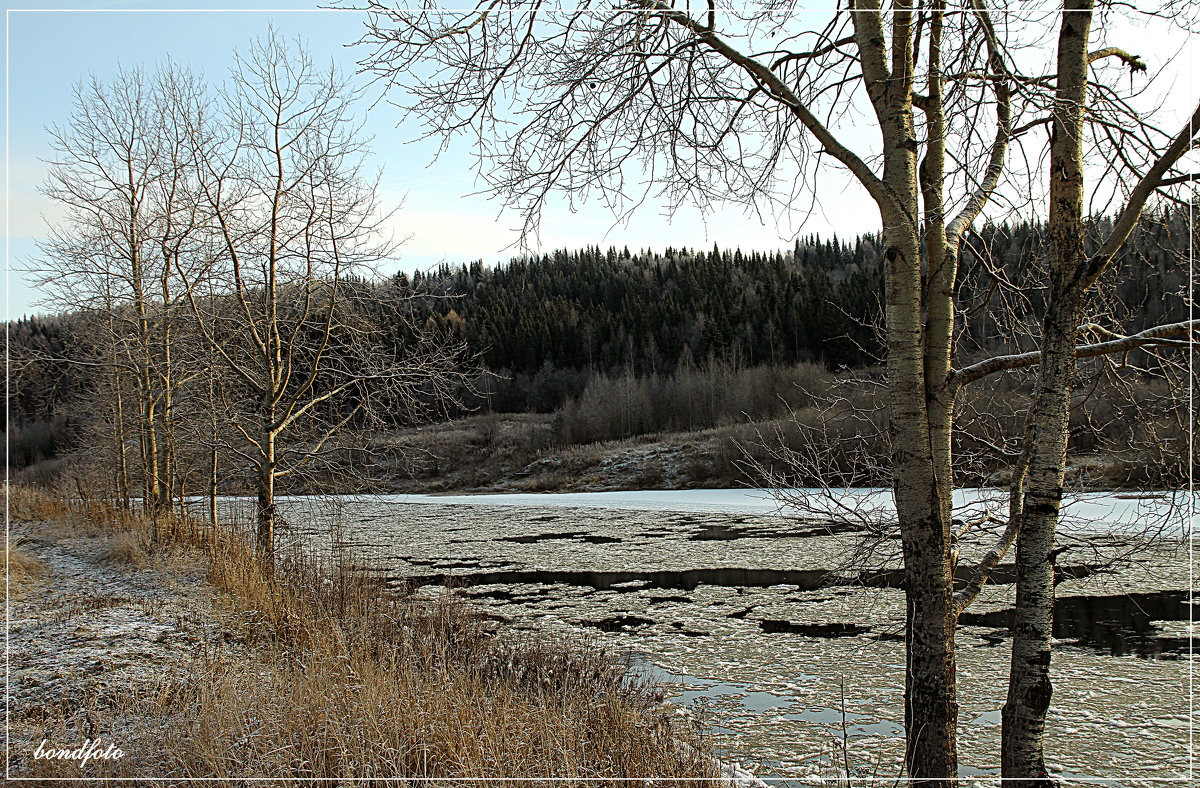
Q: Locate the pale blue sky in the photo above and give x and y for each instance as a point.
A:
(50, 51)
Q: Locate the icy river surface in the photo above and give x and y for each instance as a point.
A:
(755, 620)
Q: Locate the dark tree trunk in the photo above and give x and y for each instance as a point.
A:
(1029, 688)
(266, 503)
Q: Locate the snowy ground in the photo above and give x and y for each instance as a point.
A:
(90, 631)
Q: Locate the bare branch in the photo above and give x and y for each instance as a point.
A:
(1158, 336)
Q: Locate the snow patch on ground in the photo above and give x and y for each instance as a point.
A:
(87, 631)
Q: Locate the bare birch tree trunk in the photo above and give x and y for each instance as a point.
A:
(1072, 273)
(166, 382)
(212, 488)
(1029, 687)
(122, 469)
(147, 400)
(212, 453)
(922, 502)
(118, 430)
(931, 708)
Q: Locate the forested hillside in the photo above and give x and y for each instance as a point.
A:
(43, 387)
(650, 311)
(543, 326)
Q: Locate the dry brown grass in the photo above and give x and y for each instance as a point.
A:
(344, 679)
(127, 547)
(21, 569)
(28, 504)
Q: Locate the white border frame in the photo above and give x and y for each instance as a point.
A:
(1189, 529)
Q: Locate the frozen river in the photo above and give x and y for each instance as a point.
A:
(1097, 511)
(729, 601)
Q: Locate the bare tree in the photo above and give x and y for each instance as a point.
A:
(744, 106)
(747, 106)
(231, 232)
(293, 217)
(1073, 272)
(118, 173)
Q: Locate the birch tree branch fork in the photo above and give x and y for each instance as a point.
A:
(1151, 337)
(991, 559)
(983, 571)
(959, 224)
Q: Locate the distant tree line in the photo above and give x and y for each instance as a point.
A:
(650, 312)
(546, 325)
(549, 327)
